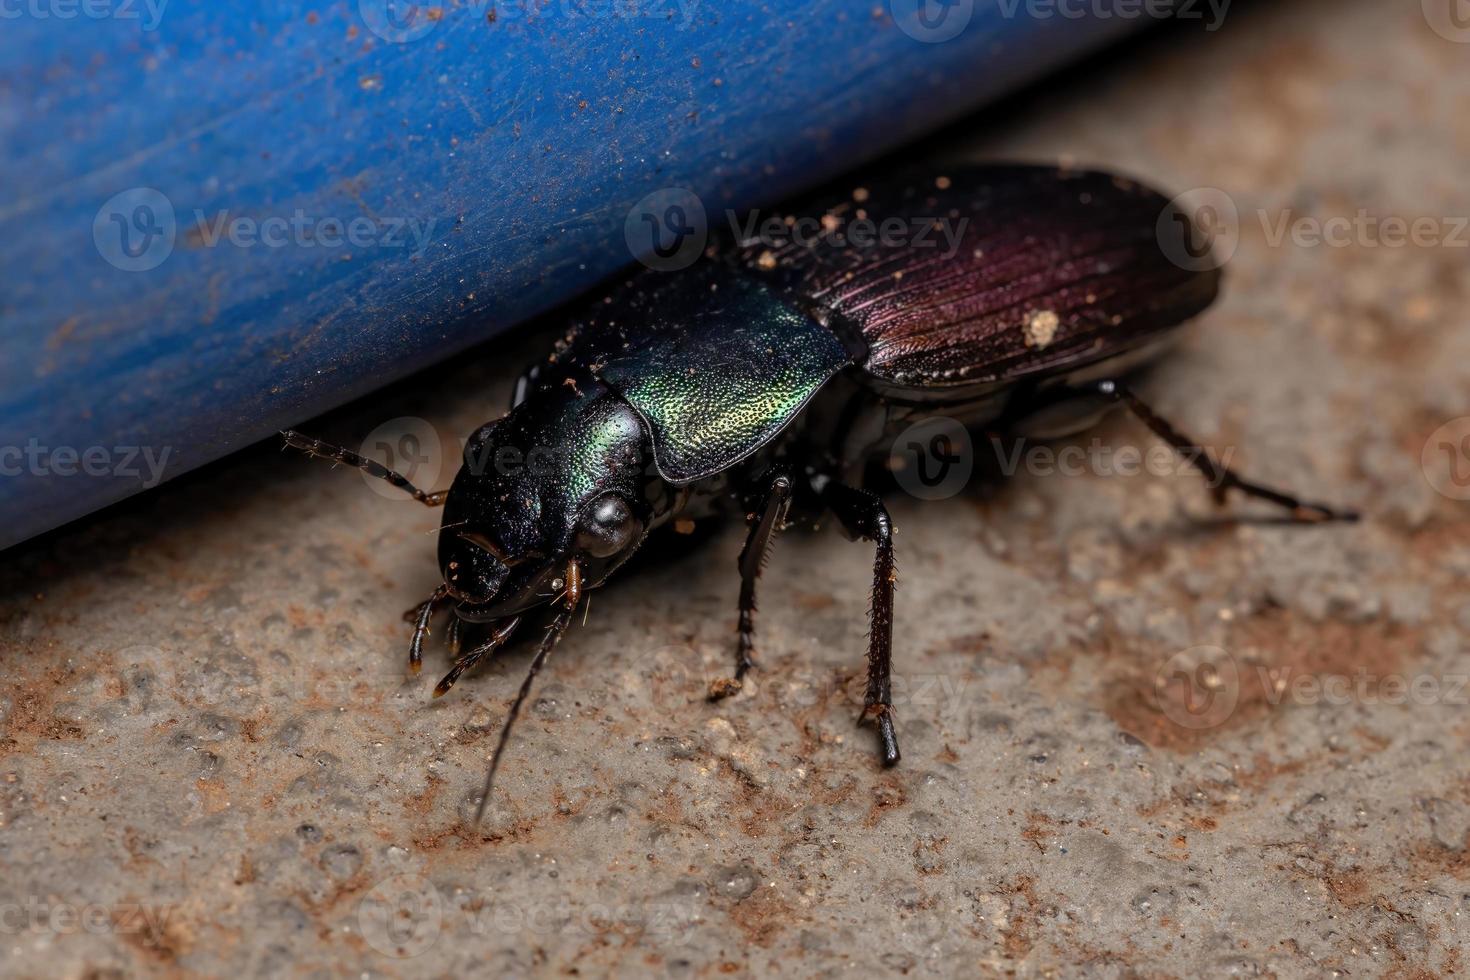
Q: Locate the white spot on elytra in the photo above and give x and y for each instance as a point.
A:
(1041, 328)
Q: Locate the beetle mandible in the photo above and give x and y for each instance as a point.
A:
(767, 377)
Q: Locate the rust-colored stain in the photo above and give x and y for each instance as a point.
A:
(764, 915)
(1019, 935)
(1037, 830)
(1287, 651)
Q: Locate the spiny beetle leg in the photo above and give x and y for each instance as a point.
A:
(452, 637)
(323, 450)
(498, 636)
(423, 613)
(770, 519)
(1221, 478)
(863, 516)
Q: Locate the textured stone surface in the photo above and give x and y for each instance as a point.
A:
(211, 758)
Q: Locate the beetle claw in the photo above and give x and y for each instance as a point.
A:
(887, 737)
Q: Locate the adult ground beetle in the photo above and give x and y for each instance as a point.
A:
(766, 378)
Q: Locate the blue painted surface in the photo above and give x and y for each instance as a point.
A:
(489, 154)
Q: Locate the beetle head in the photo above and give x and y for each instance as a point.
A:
(561, 479)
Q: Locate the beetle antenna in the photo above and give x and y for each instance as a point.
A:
(325, 450)
(548, 643)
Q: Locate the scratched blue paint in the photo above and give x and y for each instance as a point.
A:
(490, 162)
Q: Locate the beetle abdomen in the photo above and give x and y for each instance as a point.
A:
(992, 273)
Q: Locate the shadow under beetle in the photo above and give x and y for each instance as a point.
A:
(767, 377)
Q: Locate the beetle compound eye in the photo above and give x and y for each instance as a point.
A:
(608, 527)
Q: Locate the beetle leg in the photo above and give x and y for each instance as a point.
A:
(423, 613)
(752, 559)
(1220, 477)
(498, 636)
(452, 635)
(863, 516)
(323, 450)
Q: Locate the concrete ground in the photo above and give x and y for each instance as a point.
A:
(1140, 738)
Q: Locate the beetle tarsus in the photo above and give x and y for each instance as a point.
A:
(1221, 478)
(863, 515)
(498, 637)
(886, 734)
(425, 612)
(771, 518)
